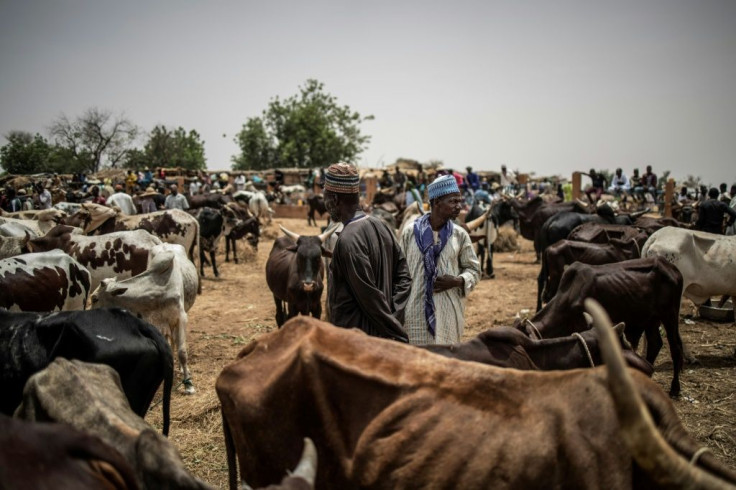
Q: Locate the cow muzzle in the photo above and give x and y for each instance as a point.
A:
(309, 286)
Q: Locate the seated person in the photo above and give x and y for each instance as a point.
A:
(620, 185)
(598, 183)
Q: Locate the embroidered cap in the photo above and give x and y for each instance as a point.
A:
(342, 178)
(445, 184)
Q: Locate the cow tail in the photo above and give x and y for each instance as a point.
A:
(168, 367)
(198, 245)
(232, 465)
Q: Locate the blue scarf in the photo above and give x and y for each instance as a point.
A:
(425, 241)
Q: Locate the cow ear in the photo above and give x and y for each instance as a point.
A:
(119, 292)
(326, 253)
(292, 248)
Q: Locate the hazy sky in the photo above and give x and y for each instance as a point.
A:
(544, 86)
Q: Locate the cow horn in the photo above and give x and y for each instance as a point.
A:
(639, 214)
(649, 449)
(324, 236)
(307, 467)
(478, 221)
(420, 208)
(581, 202)
(290, 234)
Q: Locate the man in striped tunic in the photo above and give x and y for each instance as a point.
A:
(368, 282)
(443, 267)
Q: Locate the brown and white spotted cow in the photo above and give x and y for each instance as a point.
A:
(117, 255)
(46, 281)
(171, 226)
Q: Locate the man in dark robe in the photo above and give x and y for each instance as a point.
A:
(369, 282)
(711, 213)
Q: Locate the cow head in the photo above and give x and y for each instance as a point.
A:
(309, 252)
(103, 296)
(57, 237)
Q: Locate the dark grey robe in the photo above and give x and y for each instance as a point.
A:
(369, 282)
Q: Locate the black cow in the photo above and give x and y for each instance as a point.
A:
(131, 346)
(213, 200)
(642, 293)
(534, 213)
(211, 229)
(244, 225)
(559, 226)
(508, 347)
(316, 204)
(295, 273)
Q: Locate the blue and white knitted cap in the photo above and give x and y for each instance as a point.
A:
(445, 184)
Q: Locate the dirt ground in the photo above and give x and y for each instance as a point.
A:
(238, 307)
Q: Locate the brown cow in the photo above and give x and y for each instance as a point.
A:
(603, 232)
(316, 204)
(642, 293)
(295, 273)
(563, 253)
(44, 456)
(510, 348)
(388, 415)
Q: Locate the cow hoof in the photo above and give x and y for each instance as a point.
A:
(692, 359)
(189, 387)
(489, 276)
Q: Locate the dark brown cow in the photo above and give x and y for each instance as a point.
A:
(295, 273)
(603, 232)
(510, 348)
(563, 253)
(213, 200)
(642, 293)
(649, 225)
(316, 204)
(389, 415)
(245, 225)
(533, 214)
(121, 254)
(45, 456)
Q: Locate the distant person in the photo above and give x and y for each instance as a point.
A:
(14, 203)
(386, 182)
(597, 184)
(239, 182)
(619, 184)
(724, 195)
(147, 201)
(443, 267)
(175, 200)
(649, 182)
(122, 201)
(711, 213)
(44, 197)
(399, 179)
(508, 182)
(130, 181)
(472, 181)
(96, 197)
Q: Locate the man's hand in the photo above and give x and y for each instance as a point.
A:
(443, 283)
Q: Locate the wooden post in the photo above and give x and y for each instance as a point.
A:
(669, 194)
(577, 190)
(371, 186)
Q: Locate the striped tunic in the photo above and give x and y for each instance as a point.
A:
(457, 259)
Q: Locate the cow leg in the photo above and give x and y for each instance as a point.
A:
(481, 256)
(489, 263)
(179, 331)
(279, 311)
(201, 262)
(235, 250)
(671, 324)
(227, 249)
(214, 264)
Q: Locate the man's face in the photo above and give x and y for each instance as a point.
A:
(448, 207)
(618, 172)
(331, 205)
(174, 190)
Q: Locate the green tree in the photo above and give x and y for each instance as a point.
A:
(306, 130)
(172, 148)
(25, 153)
(94, 138)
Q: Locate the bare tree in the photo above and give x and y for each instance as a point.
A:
(95, 137)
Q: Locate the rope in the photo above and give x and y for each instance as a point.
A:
(534, 328)
(698, 454)
(585, 347)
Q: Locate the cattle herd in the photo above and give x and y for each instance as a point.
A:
(96, 308)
